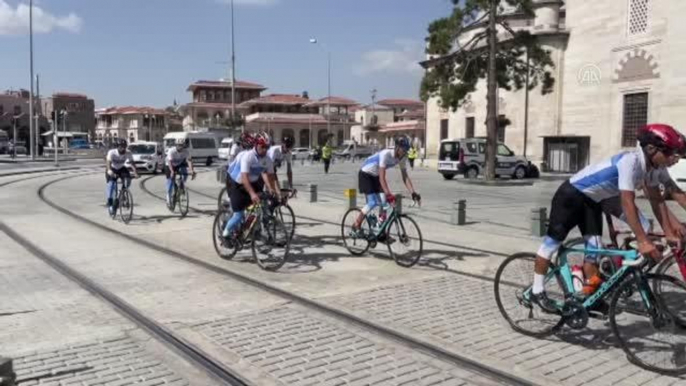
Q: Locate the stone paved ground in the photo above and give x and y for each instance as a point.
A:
(110, 362)
(460, 313)
(300, 347)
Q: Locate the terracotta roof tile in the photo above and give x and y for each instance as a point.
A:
(224, 84)
(400, 102)
(126, 110)
(277, 99)
(335, 101)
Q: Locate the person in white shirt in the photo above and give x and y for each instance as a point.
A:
(117, 163)
(280, 153)
(178, 161)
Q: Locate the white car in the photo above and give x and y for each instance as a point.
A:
(300, 153)
(678, 173)
(147, 156)
(225, 148)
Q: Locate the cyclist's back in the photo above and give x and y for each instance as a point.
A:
(384, 158)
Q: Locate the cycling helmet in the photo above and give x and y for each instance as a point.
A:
(662, 136)
(402, 142)
(247, 141)
(121, 143)
(288, 142)
(262, 139)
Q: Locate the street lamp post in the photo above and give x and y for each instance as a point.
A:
(328, 99)
(31, 126)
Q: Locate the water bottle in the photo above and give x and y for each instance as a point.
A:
(577, 278)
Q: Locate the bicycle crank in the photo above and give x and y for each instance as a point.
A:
(575, 315)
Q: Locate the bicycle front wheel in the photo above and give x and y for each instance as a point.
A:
(287, 216)
(512, 288)
(355, 241)
(183, 201)
(270, 243)
(404, 241)
(645, 325)
(225, 250)
(125, 206)
(222, 198)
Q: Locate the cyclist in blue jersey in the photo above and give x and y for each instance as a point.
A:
(372, 177)
(577, 203)
(243, 180)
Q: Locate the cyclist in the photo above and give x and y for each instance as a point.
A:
(372, 177)
(236, 147)
(277, 154)
(178, 161)
(117, 164)
(243, 180)
(577, 203)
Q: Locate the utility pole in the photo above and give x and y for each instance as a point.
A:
(233, 76)
(31, 126)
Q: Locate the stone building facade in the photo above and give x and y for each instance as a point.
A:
(618, 65)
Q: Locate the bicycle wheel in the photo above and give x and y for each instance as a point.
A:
(404, 241)
(183, 201)
(287, 216)
(222, 198)
(270, 243)
(125, 205)
(223, 249)
(512, 285)
(357, 243)
(645, 327)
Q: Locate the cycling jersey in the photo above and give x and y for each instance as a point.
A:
(178, 157)
(275, 154)
(117, 160)
(657, 177)
(249, 162)
(624, 171)
(234, 151)
(383, 159)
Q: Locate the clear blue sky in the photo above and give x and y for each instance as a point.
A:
(146, 52)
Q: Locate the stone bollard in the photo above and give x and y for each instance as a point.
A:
(539, 217)
(312, 188)
(459, 213)
(302, 162)
(399, 203)
(351, 195)
(7, 375)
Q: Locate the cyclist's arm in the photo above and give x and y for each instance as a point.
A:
(108, 165)
(677, 194)
(407, 180)
(289, 173)
(382, 180)
(131, 165)
(659, 206)
(245, 180)
(630, 210)
(190, 165)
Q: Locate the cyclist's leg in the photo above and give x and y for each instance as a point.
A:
(240, 200)
(169, 184)
(183, 170)
(592, 230)
(126, 177)
(371, 187)
(110, 187)
(567, 209)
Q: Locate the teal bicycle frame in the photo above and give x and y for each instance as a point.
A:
(564, 271)
(391, 214)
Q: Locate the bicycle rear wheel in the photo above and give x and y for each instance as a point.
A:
(222, 198)
(512, 287)
(223, 249)
(287, 216)
(645, 327)
(125, 205)
(183, 201)
(270, 243)
(357, 243)
(404, 241)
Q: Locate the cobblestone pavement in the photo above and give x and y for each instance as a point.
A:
(302, 348)
(460, 313)
(115, 361)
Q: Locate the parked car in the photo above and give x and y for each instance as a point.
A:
(300, 153)
(147, 156)
(79, 143)
(349, 148)
(20, 148)
(225, 148)
(467, 156)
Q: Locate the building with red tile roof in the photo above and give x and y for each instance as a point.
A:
(133, 123)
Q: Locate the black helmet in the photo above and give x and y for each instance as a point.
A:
(121, 143)
(288, 142)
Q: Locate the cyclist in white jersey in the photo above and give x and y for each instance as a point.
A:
(372, 177)
(279, 153)
(117, 164)
(178, 161)
(577, 203)
(243, 175)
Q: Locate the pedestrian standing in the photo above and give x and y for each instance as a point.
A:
(12, 149)
(326, 157)
(411, 156)
(422, 155)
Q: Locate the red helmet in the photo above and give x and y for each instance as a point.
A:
(247, 140)
(662, 136)
(262, 139)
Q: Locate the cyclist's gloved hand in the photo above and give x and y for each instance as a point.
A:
(255, 198)
(390, 199)
(416, 197)
(648, 249)
(110, 173)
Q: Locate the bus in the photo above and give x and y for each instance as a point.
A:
(203, 147)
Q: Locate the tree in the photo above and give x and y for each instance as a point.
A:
(466, 49)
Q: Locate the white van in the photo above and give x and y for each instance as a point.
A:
(225, 148)
(202, 146)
